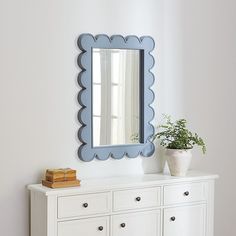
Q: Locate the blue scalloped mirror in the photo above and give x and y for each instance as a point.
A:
(115, 96)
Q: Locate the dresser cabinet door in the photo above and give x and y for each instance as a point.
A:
(137, 224)
(185, 221)
(86, 227)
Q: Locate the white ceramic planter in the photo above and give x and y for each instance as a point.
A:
(178, 161)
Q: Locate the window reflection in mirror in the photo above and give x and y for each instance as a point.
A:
(116, 98)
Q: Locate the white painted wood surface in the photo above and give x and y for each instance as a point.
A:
(137, 224)
(136, 198)
(188, 221)
(113, 201)
(72, 206)
(84, 227)
(183, 193)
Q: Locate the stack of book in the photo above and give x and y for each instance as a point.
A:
(60, 178)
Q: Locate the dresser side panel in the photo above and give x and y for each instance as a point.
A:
(38, 204)
(210, 207)
(51, 215)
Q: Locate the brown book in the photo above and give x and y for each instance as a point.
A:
(58, 175)
(62, 184)
(53, 179)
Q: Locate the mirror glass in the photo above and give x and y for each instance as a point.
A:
(116, 96)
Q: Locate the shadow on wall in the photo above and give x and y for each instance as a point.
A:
(155, 163)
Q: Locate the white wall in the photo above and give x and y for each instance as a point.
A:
(202, 35)
(195, 55)
(38, 91)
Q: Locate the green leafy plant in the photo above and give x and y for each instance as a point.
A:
(175, 135)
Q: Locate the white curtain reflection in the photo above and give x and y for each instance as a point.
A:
(115, 96)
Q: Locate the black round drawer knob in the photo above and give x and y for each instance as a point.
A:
(100, 228)
(122, 225)
(186, 193)
(138, 199)
(85, 205)
(172, 218)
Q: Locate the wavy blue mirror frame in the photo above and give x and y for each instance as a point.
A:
(86, 43)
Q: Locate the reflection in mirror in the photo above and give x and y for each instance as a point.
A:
(116, 98)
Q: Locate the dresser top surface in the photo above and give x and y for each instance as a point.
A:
(100, 184)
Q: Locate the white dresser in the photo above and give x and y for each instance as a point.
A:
(147, 205)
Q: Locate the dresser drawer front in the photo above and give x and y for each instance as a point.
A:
(136, 198)
(81, 205)
(184, 193)
(137, 224)
(87, 227)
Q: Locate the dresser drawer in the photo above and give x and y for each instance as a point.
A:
(136, 198)
(81, 205)
(184, 193)
(87, 227)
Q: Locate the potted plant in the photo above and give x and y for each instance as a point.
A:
(178, 141)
